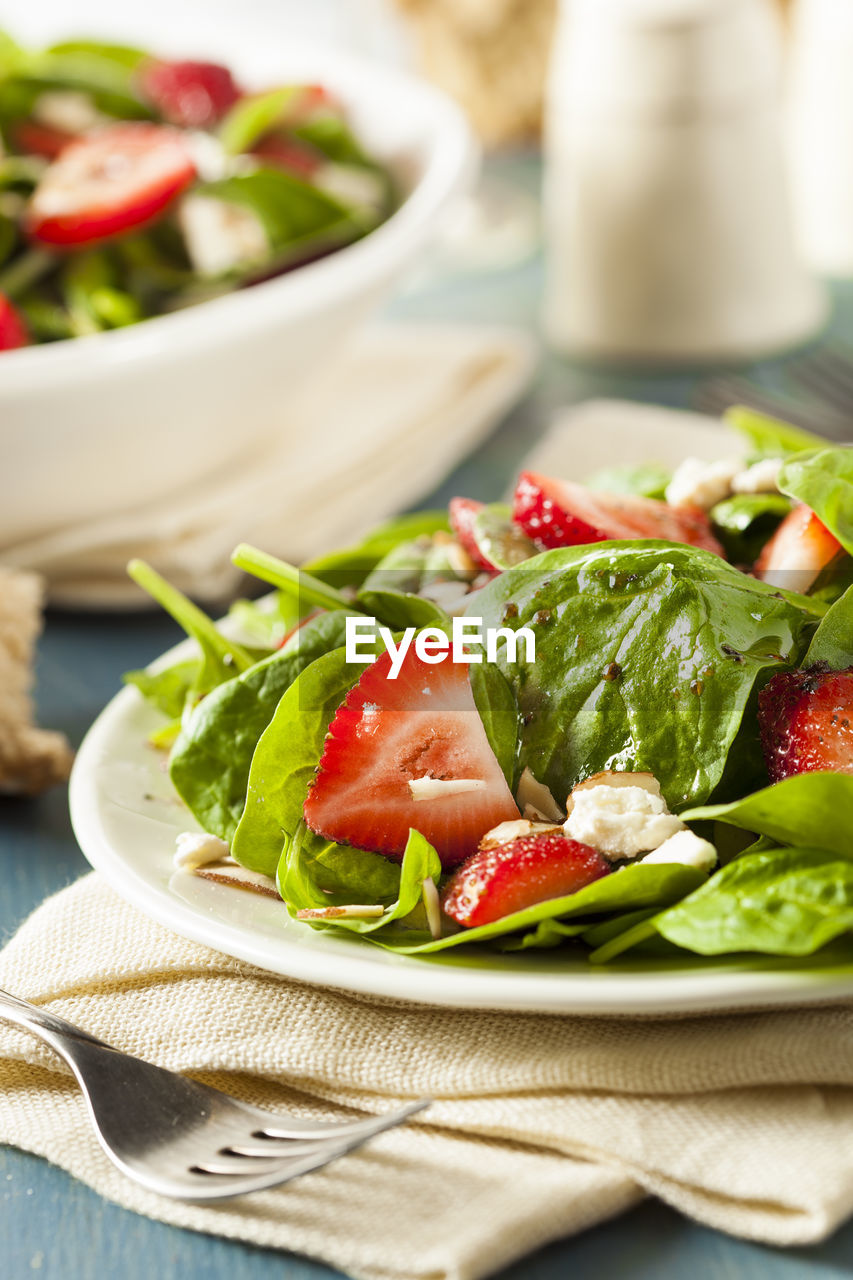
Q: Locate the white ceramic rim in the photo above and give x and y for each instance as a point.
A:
(448, 173)
(525, 982)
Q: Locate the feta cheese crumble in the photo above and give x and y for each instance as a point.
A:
(221, 235)
(761, 477)
(620, 820)
(696, 483)
(195, 849)
(686, 848)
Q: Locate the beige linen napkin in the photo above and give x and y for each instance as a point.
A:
(541, 1126)
(381, 427)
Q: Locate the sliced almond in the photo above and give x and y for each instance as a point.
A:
(504, 832)
(613, 778)
(428, 788)
(535, 796)
(432, 906)
(237, 877)
(352, 911)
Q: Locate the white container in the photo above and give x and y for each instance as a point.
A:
(667, 209)
(821, 132)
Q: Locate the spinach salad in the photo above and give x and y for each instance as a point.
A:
(670, 774)
(131, 186)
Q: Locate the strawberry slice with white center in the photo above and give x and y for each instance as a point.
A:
(800, 548)
(109, 182)
(504, 878)
(409, 752)
(806, 720)
(560, 513)
(195, 95)
(13, 331)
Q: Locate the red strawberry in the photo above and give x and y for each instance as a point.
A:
(35, 138)
(388, 733)
(118, 178)
(559, 513)
(800, 548)
(806, 720)
(463, 512)
(504, 878)
(13, 331)
(194, 95)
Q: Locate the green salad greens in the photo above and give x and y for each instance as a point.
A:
(132, 185)
(671, 680)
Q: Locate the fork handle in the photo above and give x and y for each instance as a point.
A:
(42, 1023)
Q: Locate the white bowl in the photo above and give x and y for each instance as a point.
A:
(92, 425)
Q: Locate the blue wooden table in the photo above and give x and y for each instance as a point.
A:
(53, 1227)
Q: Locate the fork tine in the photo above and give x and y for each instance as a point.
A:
(277, 1138)
(215, 1186)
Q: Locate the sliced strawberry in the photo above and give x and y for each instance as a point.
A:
(13, 331)
(34, 138)
(497, 881)
(800, 548)
(463, 512)
(288, 153)
(121, 177)
(194, 95)
(806, 720)
(559, 513)
(388, 733)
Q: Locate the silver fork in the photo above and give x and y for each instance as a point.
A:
(183, 1139)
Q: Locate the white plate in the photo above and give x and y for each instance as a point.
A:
(126, 816)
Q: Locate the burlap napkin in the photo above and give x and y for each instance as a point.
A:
(541, 1126)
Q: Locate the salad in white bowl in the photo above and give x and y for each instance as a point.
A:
(615, 716)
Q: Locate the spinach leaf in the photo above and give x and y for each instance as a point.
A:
(253, 116)
(268, 619)
(646, 656)
(300, 887)
(331, 135)
(221, 658)
(86, 67)
(498, 710)
(389, 592)
(210, 762)
(808, 809)
(319, 872)
(499, 539)
(647, 480)
(286, 757)
(833, 641)
(122, 55)
(823, 480)
(744, 522)
(769, 437)
(400, 609)
(168, 688)
(292, 212)
(632, 888)
(783, 902)
(350, 566)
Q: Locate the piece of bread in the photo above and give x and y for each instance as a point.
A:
(30, 758)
